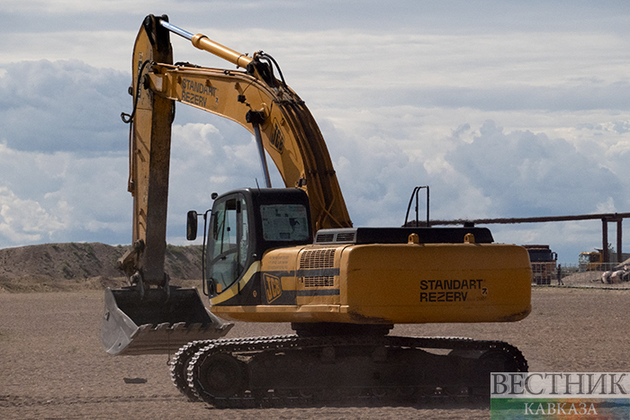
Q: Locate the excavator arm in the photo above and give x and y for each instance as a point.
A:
(149, 156)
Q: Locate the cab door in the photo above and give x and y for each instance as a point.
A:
(228, 242)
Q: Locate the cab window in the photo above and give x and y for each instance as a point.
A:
(284, 222)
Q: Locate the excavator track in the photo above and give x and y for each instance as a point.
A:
(178, 367)
(181, 359)
(281, 371)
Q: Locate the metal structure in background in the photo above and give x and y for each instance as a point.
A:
(415, 193)
(604, 217)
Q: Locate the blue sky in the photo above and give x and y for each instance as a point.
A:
(505, 108)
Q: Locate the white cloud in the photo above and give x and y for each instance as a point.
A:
(529, 174)
(72, 198)
(62, 105)
(64, 7)
(25, 221)
(402, 91)
(206, 158)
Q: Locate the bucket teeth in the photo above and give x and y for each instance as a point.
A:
(156, 324)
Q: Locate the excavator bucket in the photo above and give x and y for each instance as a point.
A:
(156, 323)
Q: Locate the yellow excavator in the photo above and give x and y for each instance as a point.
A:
(292, 255)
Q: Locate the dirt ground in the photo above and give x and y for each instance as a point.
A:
(53, 365)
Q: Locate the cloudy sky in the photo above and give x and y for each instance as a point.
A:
(504, 108)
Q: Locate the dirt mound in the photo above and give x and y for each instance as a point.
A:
(583, 278)
(591, 279)
(76, 266)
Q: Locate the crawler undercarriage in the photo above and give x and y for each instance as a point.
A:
(292, 370)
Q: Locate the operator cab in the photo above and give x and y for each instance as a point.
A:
(243, 225)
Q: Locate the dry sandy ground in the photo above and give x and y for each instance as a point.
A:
(53, 366)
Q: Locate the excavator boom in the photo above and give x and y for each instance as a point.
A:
(270, 110)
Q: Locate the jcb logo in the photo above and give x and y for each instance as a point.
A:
(277, 138)
(273, 287)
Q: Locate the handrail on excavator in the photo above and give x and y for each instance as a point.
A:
(204, 43)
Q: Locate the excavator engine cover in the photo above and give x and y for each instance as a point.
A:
(158, 322)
